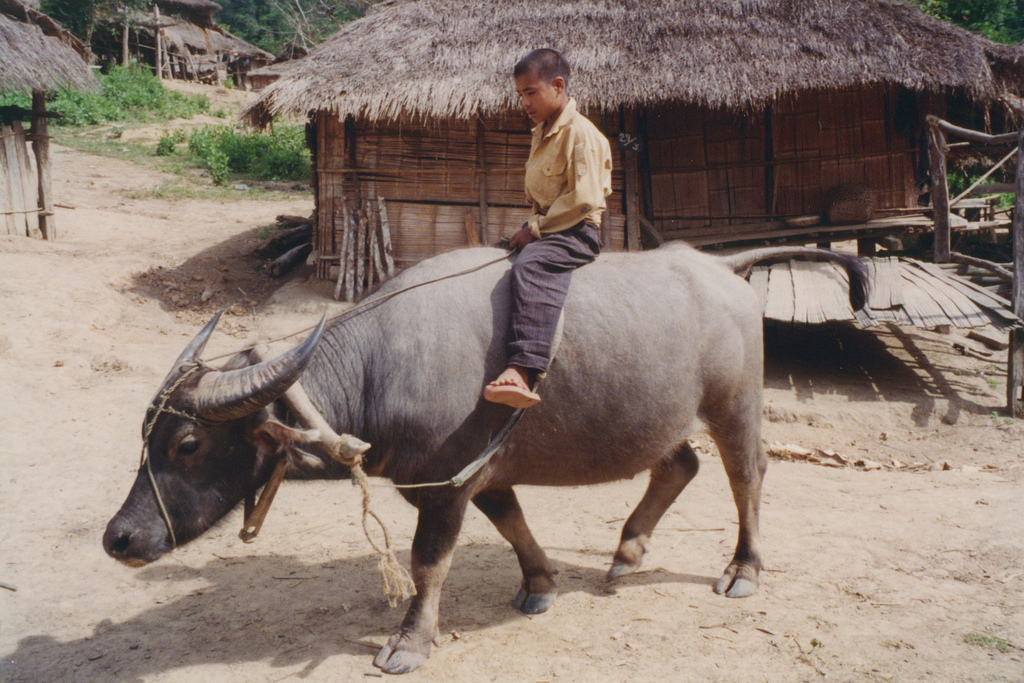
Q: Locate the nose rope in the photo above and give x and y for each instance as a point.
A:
(160, 405)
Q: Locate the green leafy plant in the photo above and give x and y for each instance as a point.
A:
(982, 640)
(218, 165)
(127, 94)
(167, 144)
(278, 155)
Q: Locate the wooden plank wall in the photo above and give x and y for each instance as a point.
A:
(710, 169)
(19, 185)
(430, 177)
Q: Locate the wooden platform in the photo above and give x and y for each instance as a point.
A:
(903, 291)
(777, 232)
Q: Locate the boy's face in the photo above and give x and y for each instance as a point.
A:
(542, 101)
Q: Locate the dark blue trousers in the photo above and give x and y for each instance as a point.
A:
(540, 282)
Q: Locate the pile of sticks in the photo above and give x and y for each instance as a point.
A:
(365, 256)
(288, 247)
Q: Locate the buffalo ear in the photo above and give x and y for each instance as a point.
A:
(274, 434)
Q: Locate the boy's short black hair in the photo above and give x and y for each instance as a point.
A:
(545, 63)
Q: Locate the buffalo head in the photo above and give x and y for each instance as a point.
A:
(208, 435)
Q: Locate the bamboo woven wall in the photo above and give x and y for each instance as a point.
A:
(19, 205)
(430, 175)
(711, 169)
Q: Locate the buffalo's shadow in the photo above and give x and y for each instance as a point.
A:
(292, 613)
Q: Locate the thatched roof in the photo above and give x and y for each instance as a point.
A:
(197, 11)
(37, 54)
(453, 58)
(201, 40)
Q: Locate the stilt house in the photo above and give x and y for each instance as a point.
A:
(36, 56)
(730, 121)
(181, 39)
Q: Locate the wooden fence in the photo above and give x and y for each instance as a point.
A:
(937, 132)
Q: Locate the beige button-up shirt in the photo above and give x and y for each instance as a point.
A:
(568, 174)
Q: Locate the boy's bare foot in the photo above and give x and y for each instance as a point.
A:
(512, 389)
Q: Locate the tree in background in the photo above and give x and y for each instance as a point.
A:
(80, 16)
(999, 20)
(272, 24)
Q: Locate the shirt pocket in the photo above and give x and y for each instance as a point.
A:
(551, 180)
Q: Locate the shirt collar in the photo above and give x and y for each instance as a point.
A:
(568, 111)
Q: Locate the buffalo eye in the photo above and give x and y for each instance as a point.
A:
(188, 446)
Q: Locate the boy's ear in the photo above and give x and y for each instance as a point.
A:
(558, 83)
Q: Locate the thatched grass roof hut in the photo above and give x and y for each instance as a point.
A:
(723, 93)
(36, 54)
(452, 58)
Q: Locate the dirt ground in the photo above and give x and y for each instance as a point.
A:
(910, 571)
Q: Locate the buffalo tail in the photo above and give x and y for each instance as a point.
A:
(856, 270)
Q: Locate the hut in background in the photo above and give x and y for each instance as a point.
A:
(733, 120)
(36, 55)
(261, 78)
(179, 39)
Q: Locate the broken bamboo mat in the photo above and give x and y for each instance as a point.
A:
(903, 291)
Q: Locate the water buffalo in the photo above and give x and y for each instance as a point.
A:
(653, 342)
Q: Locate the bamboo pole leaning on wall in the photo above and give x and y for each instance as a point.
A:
(1015, 360)
(365, 253)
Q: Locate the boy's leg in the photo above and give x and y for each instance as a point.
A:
(540, 282)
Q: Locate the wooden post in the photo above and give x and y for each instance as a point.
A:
(124, 40)
(159, 45)
(1015, 360)
(385, 239)
(41, 147)
(472, 231)
(939, 190)
(350, 253)
(339, 286)
(630, 169)
(359, 252)
(481, 165)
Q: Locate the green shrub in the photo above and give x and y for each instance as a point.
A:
(278, 155)
(167, 145)
(218, 165)
(127, 94)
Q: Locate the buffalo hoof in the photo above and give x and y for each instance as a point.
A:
(401, 655)
(533, 603)
(628, 557)
(621, 568)
(737, 582)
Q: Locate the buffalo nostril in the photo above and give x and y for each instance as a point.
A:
(119, 545)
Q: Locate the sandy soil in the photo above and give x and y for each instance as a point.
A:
(888, 574)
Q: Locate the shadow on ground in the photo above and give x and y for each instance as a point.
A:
(226, 276)
(289, 612)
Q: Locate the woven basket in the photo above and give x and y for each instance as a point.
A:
(851, 203)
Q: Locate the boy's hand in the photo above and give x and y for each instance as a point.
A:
(521, 238)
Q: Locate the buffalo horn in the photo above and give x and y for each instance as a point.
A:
(191, 352)
(232, 394)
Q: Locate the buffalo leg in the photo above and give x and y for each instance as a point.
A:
(668, 479)
(437, 530)
(739, 442)
(538, 591)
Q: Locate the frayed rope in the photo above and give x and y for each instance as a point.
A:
(396, 583)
